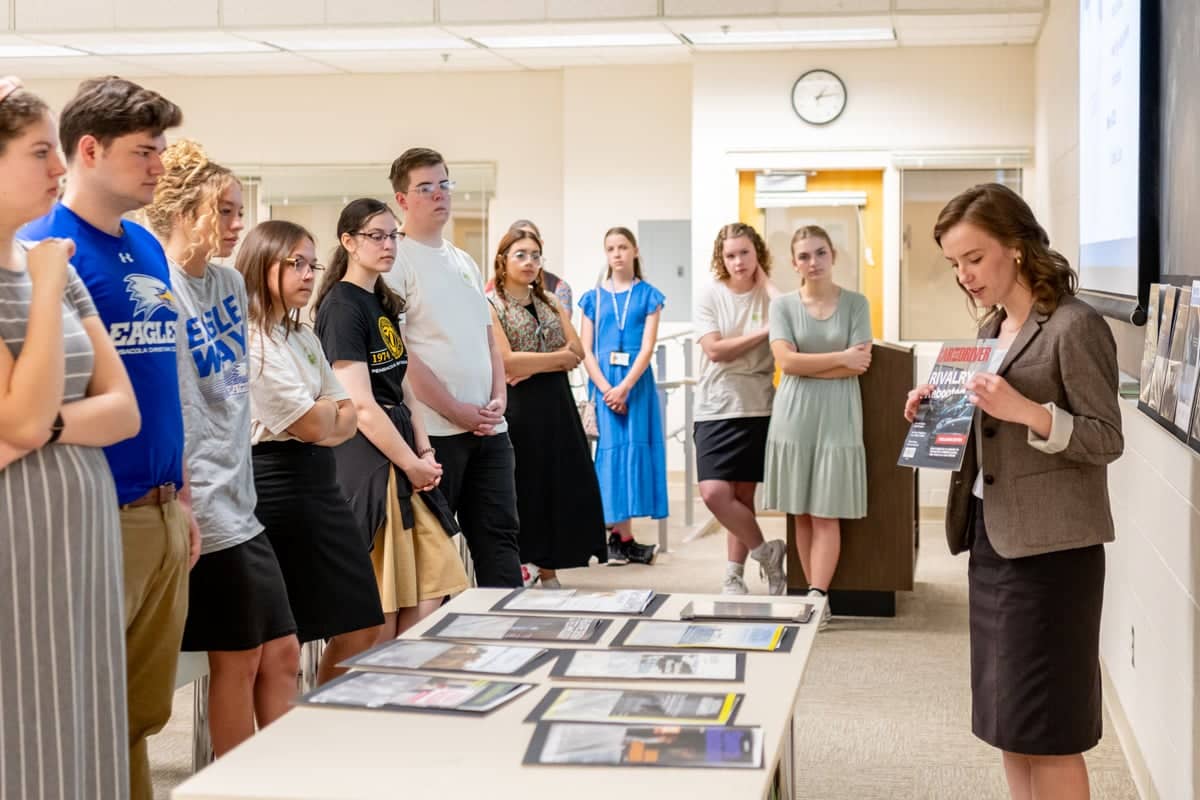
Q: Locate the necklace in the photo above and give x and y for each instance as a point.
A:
(524, 300)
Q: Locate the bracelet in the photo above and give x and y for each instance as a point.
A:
(56, 429)
(423, 452)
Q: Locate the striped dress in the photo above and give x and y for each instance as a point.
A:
(62, 643)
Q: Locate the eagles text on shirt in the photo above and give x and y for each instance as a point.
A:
(152, 327)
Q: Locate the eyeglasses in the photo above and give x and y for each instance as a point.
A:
(522, 256)
(427, 189)
(378, 236)
(302, 265)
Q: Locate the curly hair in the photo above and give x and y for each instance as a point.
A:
(1005, 216)
(734, 231)
(189, 193)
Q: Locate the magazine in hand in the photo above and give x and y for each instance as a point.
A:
(430, 693)
(579, 601)
(502, 627)
(1191, 365)
(417, 654)
(598, 744)
(618, 665)
(1166, 323)
(938, 436)
(628, 705)
(765, 637)
(747, 610)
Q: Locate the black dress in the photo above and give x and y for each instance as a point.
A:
(558, 498)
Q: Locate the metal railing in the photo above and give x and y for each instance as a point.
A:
(685, 340)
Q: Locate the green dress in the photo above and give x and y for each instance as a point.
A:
(816, 463)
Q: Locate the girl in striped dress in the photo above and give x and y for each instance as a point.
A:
(63, 395)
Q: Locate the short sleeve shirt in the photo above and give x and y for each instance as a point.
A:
(288, 375)
(740, 387)
(352, 325)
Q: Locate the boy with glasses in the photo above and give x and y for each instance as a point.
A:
(456, 369)
(112, 135)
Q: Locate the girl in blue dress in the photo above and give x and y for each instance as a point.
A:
(619, 330)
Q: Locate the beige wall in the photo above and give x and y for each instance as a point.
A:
(1150, 636)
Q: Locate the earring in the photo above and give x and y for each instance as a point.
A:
(1018, 261)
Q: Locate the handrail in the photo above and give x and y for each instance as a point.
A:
(664, 388)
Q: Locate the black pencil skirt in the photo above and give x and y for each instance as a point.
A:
(327, 568)
(1035, 647)
(731, 449)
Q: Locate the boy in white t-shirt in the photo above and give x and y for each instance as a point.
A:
(456, 370)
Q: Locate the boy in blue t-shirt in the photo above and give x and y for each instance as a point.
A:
(112, 135)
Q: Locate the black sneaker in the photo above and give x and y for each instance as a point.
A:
(640, 553)
(618, 555)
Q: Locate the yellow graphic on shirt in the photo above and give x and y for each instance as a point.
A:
(391, 338)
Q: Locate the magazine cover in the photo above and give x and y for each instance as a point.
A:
(1175, 359)
(745, 610)
(378, 690)
(597, 744)
(417, 654)
(628, 705)
(938, 436)
(1191, 365)
(615, 665)
(1150, 347)
(1163, 353)
(579, 601)
(497, 626)
(765, 637)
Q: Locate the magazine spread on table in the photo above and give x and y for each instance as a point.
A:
(578, 601)
(746, 610)
(414, 692)
(502, 627)
(598, 744)
(418, 654)
(628, 665)
(716, 635)
(630, 705)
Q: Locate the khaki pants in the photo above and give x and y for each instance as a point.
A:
(156, 542)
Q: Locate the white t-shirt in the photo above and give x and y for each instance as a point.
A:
(287, 377)
(741, 387)
(445, 323)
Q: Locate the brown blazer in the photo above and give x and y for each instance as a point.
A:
(1052, 494)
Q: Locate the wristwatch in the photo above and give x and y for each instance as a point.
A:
(56, 429)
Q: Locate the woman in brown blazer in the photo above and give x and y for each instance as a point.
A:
(1049, 424)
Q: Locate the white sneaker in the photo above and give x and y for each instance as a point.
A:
(770, 565)
(733, 584)
(826, 614)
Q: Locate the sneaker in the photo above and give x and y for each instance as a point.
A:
(618, 553)
(549, 583)
(639, 553)
(826, 614)
(770, 566)
(733, 584)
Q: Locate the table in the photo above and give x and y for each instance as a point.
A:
(349, 754)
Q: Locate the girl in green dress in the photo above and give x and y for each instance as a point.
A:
(815, 464)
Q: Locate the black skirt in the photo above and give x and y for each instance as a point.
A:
(558, 497)
(330, 581)
(1035, 647)
(237, 599)
(731, 449)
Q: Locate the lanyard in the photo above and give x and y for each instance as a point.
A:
(620, 316)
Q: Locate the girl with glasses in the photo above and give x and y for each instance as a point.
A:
(558, 499)
(238, 608)
(300, 414)
(388, 470)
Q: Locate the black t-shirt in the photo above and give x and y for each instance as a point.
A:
(353, 326)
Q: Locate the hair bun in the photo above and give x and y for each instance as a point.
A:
(184, 155)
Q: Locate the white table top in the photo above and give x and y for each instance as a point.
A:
(349, 754)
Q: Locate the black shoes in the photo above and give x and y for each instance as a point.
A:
(617, 556)
(630, 552)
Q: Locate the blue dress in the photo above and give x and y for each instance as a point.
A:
(631, 458)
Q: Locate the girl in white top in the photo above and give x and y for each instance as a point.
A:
(733, 400)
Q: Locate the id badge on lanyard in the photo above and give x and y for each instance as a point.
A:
(618, 357)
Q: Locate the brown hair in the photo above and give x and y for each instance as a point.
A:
(356, 214)
(267, 244)
(513, 236)
(1005, 216)
(111, 107)
(411, 159)
(734, 231)
(628, 234)
(811, 232)
(189, 193)
(20, 109)
(526, 225)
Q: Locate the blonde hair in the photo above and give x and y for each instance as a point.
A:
(733, 231)
(189, 193)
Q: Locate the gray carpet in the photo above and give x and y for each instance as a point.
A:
(884, 711)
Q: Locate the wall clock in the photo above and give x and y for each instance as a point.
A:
(819, 97)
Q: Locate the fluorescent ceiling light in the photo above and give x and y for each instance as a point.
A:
(807, 36)
(362, 39)
(578, 40)
(160, 44)
(32, 50)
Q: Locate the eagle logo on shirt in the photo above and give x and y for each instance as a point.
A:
(148, 294)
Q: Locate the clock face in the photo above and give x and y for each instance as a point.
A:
(819, 97)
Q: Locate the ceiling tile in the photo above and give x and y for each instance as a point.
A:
(970, 5)
(716, 8)
(414, 61)
(929, 22)
(360, 12)
(601, 9)
(458, 11)
(81, 67)
(360, 38)
(239, 64)
(157, 14)
(272, 12)
(152, 43)
(832, 6)
(557, 58)
(48, 15)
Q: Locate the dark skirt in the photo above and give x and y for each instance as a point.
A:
(237, 599)
(330, 580)
(558, 498)
(731, 449)
(1035, 647)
